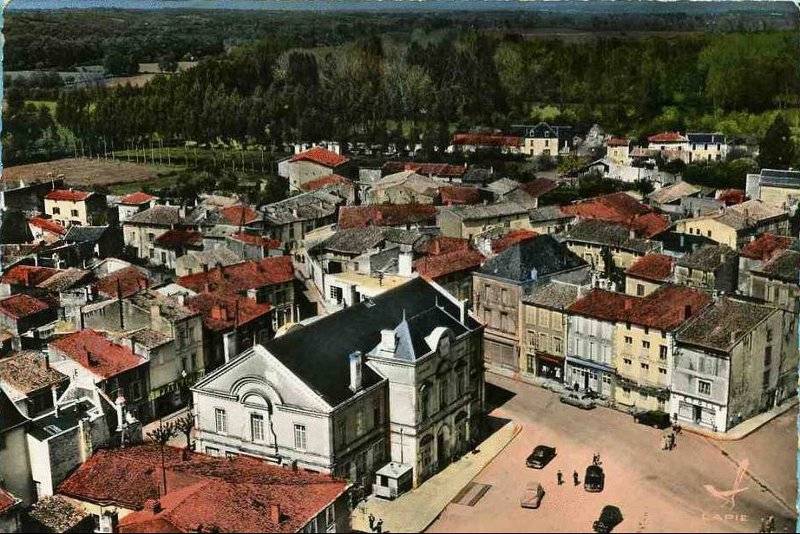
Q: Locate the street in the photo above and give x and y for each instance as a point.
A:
(687, 489)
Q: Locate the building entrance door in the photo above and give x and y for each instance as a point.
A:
(697, 413)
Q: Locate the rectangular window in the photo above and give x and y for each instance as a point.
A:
(704, 387)
(769, 334)
(257, 427)
(646, 344)
(765, 380)
(56, 211)
(531, 363)
(767, 356)
(628, 340)
(330, 517)
(627, 361)
(662, 371)
(212, 451)
(639, 290)
(300, 437)
(558, 347)
(443, 393)
(645, 366)
(220, 420)
(74, 213)
(662, 352)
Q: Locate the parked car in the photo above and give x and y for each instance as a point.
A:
(594, 480)
(610, 517)
(532, 496)
(574, 399)
(540, 456)
(654, 418)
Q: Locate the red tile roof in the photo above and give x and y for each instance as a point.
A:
(240, 277)
(668, 137)
(385, 215)
(22, 305)
(27, 275)
(68, 194)
(221, 311)
(48, 225)
(323, 181)
(443, 245)
(657, 267)
(538, 187)
(257, 240)
(129, 280)
(485, 139)
(96, 353)
(731, 196)
(459, 196)
(765, 246)
(228, 495)
(511, 238)
(239, 214)
(136, 199)
(179, 238)
(7, 501)
(322, 156)
(664, 309)
(620, 208)
(618, 141)
(442, 170)
(439, 265)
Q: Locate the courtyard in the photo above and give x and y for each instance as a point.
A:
(692, 488)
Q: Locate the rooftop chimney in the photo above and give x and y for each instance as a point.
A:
(632, 233)
(274, 513)
(119, 405)
(355, 371)
(388, 341)
(54, 392)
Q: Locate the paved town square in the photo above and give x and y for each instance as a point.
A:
(657, 491)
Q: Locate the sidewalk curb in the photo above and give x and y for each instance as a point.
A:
(516, 431)
(736, 434)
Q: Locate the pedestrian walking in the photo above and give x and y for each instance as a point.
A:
(664, 442)
(379, 526)
(596, 458)
(575, 480)
(671, 440)
(560, 477)
(372, 522)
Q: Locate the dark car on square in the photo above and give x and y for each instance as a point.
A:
(540, 456)
(610, 517)
(594, 480)
(653, 418)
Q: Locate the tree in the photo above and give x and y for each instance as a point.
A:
(161, 436)
(167, 64)
(185, 425)
(776, 150)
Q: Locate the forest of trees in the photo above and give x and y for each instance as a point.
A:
(376, 89)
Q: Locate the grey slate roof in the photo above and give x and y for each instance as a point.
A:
(707, 257)
(318, 353)
(780, 178)
(501, 209)
(548, 213)
(157, 215)
(726, 318)
(543, 254)
(553, 294)
(305, 206)
(600, 232)
(169, 307)
(352, 240)
(701, 138)
(85, 234)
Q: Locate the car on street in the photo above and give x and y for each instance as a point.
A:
(540, 456)
(610, 517)
(532, 495)
(594, 479)
(574, 399)
(653, 418)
